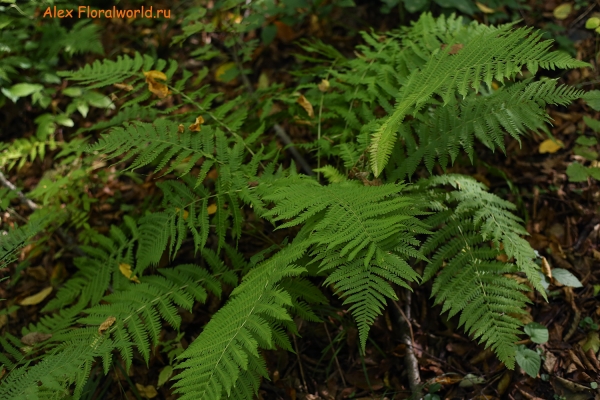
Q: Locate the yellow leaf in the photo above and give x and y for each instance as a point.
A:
(484, 8)
(108, 322)
(562, 11)
(159, 89)
(304, 103)
(36, 298)
(148, 392)
(550, 146)
(186, 214)
(153, 75)
(263, 81)
(180, 128)
(222, 69)
(324, 85)
(195, 127)
(126, 271)
(211, 209)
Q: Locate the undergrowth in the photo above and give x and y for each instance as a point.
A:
(374, 213)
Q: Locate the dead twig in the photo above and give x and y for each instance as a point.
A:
(410, 360)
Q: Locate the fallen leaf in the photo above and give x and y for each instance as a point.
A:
(592, 341)
(211, 209)
(186, 214)
(108, 322)
(504, 382)
(149, 392)
(454, 49)
(180, 128)
(304, 103)
(36, 298)
(483, 8)
(59, 272)
(124, 86)
(285, 32)
(164, 375)
(222, 69)
(546, 268)
(38, 273)
(3, 320)
(550, 146)
(35, 337)
(562, 11)
(126, 271)
(263, 81)
(159, 89)
(153, 75)
(196, 126)
(324, 85)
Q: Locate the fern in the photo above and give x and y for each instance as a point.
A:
(227, 348)
(490, 54)
(472, 281)
(362, 237)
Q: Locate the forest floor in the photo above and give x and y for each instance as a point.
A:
(562, 219)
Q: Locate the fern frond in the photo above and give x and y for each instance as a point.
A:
(361, 235)
(490, 54)
(472, 281)
(215, 364)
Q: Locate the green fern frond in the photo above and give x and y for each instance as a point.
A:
(224, 359)
(363, 236)
(494, 54)
(472, 281)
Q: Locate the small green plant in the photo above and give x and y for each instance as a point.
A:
(588, 324)
(586, 149)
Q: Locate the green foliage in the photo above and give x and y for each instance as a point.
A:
(412, 100)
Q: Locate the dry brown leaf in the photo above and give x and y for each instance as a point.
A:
(180, 128)
(148, 392)
(35, 337)
(285, 32)
(159, 89)
(126, 271)
(304, 103)
(550, 146)
(124, 86)
(36, 298)
(546, 268)
(108, 322)
(211, 209)
(196, 126)
(454, 49)
(483, 8)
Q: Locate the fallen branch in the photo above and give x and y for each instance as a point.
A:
(407, 337)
